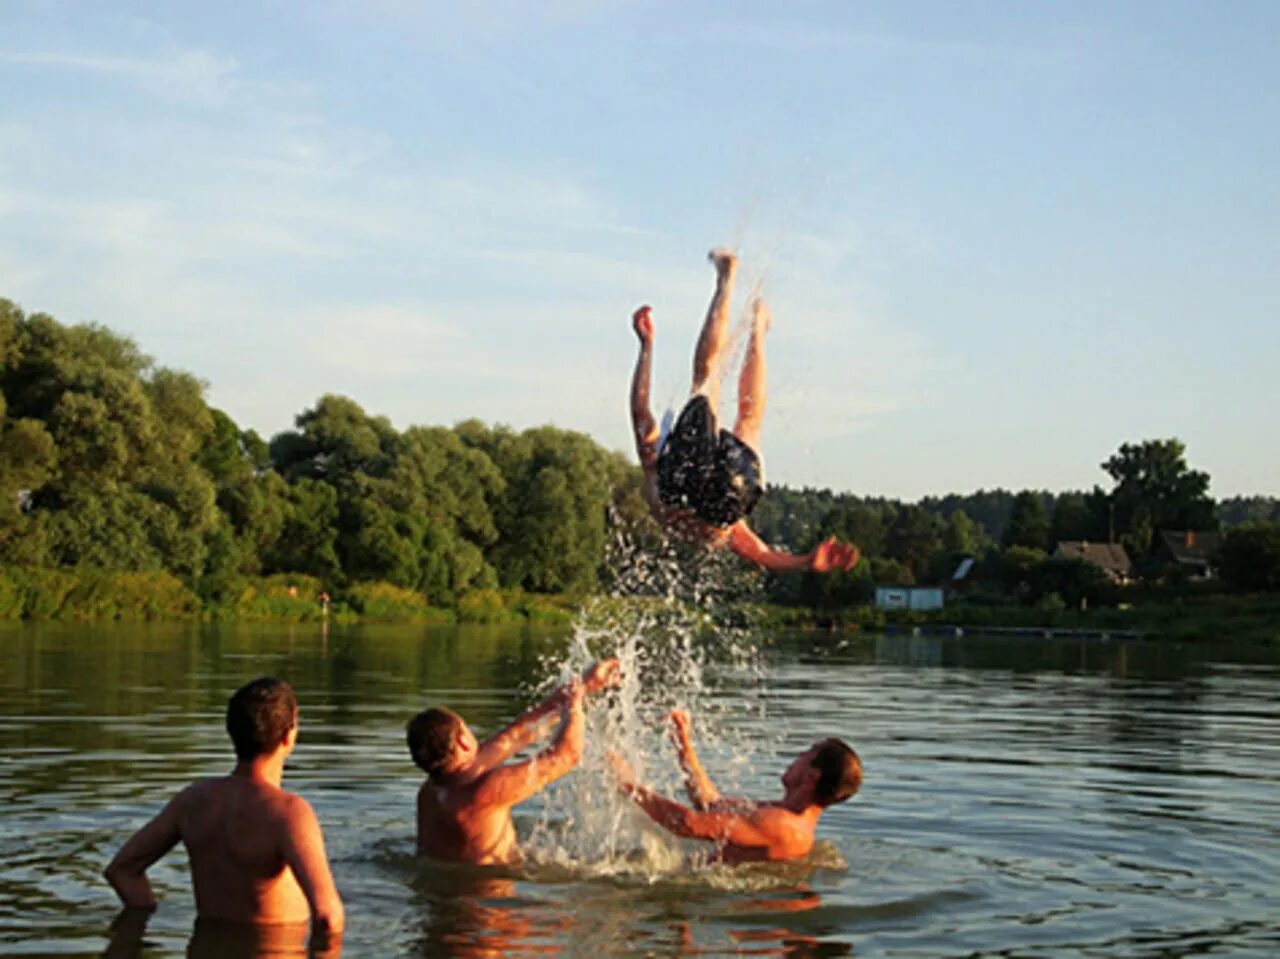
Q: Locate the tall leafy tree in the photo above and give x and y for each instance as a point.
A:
(1249, 557)
(1028, 523)
(1155, 490)
(120, 487)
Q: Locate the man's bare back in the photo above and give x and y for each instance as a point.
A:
(257, 853)
(464, 808)
(232, 829)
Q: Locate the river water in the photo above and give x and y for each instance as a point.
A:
(1023, 797)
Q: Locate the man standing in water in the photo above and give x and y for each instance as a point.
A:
(703, 481)
(256, 851)
(743, 830)
(464, 807)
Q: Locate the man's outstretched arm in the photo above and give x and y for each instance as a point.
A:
(720, 825)
(702, 792)
(827, 556)
(529, 727)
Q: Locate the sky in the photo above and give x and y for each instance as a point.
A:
(998, 239)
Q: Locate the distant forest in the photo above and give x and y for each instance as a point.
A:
(787, 514)
(110, 462)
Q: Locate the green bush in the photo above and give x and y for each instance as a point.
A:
(102, 594)
(43, 591)
(85, 593)
(394, 603)
(483, 606)
(10, 597)
(284, 596)
(547, 610)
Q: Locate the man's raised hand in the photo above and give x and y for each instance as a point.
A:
(606, 674)
(831, 554)
(642, 323)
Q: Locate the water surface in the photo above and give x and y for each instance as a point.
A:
(1022, 797)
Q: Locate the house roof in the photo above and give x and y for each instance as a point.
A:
(1191, 546)
(1109, 556)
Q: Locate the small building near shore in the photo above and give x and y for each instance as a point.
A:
(1111, 558)
(1191, 549)
(920, 598)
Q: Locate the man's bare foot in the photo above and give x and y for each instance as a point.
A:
(642, 323)
(724, 260)
(761, 315)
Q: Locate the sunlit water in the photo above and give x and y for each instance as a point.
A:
(1022, 797)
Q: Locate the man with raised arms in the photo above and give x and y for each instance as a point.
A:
(256, 851)
(744, 830)
(464, 807)
(702, 481)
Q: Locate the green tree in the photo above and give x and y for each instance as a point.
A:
(107, 443)
(1249, 558)
(1028, 523)
(1077, 581)
(1155, 490)
(913, 538)
(552, 521)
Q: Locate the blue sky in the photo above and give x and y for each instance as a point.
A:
(999, 239)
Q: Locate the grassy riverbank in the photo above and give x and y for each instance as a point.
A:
(85, 595)
(1252, 617)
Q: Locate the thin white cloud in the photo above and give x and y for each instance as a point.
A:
(188, 76)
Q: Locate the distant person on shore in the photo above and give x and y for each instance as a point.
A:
(464, 807)
(702, 481)
(256, 851)
(744, 830)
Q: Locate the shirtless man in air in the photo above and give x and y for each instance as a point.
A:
(703, 481)
(257, 855)
(744, 830)
(464, 807)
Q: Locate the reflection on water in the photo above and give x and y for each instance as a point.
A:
(1022, 797)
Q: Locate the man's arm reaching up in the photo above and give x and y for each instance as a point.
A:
(512, 784)
(827, 556)
(528, 728)
(702, 792)
(644, 426)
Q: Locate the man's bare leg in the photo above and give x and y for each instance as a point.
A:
(643, 424)
(751, 383)
(711, 342)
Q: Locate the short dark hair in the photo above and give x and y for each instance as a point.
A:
(260, 715)
(431, 736)
(839, 772)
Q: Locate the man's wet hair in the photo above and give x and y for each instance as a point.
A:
(839, 769)
(260, 715)
(431, 736)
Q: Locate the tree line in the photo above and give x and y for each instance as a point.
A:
(110, 462)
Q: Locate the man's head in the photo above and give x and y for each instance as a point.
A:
(830, 767)
(436, 738)
(260, 716)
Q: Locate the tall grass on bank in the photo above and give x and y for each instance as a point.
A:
(85, 594)
(90, 594)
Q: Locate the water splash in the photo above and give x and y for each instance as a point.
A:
(677, 617)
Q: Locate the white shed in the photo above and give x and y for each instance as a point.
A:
(909, 597)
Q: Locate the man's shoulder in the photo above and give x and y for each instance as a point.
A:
(778, 819)
(201, 791)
